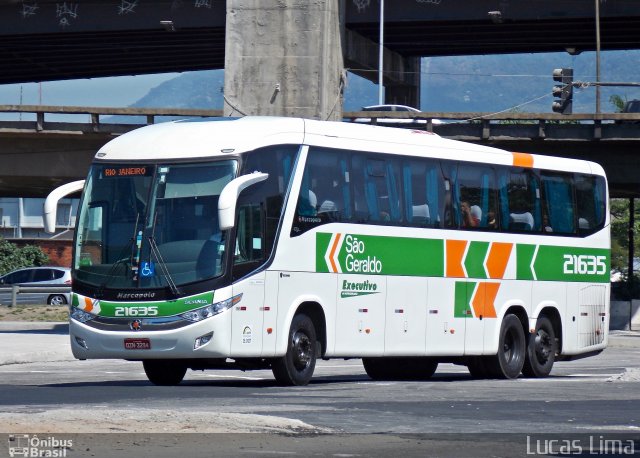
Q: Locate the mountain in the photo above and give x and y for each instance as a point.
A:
(196, 90)
(489, 83)
(500, 82)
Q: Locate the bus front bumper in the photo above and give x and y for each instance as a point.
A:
(183, 343)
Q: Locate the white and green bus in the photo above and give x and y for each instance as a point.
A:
(271, 242)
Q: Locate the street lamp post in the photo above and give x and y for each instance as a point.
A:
(597, 56)
(381, 56)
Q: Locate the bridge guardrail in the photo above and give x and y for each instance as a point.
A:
(459, 125)
(17, 289)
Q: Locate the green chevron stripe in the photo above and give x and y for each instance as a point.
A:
(463, 294)
(474, 262)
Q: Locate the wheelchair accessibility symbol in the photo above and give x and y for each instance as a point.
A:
(147, 269)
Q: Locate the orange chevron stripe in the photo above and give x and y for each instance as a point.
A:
(523, 160)
(333, 252)
(498, 258)
(88, 305)
(483, 301)
(455, 252)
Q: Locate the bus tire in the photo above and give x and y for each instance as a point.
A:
(164, 372)
(541, 349)
(297, 365)
(410, 368)
(509, 360)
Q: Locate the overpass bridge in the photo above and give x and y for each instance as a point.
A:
(40, 154)
(285, 57)
(53, 40)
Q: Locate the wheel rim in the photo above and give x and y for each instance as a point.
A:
(302, 351)
(543, 345)
(57, 300)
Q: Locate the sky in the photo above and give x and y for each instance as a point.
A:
(118, 91)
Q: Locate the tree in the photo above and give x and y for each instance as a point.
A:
(12, 257)
(620, 235)
(618, 102)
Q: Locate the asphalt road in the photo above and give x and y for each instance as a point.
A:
(590, 403)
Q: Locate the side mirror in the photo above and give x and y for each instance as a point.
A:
(229, 197)
(51, 203)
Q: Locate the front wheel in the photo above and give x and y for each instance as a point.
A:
(297, 365)
(57, 299)
(164, 372)
(541, 349)
(509, 360)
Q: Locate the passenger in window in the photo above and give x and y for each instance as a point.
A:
(470, 218)
(491, 220)
(307, 206)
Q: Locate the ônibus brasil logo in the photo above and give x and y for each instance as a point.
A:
(354, 259)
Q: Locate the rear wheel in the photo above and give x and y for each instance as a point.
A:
(541, 349)
(164, 372)
(297, 365)
(408, 368)
(509, 360)
(56, 299)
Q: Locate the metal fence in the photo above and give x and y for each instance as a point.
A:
(45, 289)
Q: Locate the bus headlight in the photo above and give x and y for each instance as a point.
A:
(80, 315)
(211, 310)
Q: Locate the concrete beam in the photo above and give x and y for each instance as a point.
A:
(284, 58)
(401, 75)
(32, 165)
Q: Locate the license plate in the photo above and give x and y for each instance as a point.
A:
(137, 344)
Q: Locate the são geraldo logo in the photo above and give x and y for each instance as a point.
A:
(348, 254)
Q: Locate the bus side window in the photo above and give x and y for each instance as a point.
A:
(520, 200)
(324, 195)
(477, 195)
(260, 206)
(559, 202)
(590, 195)
(423, 191)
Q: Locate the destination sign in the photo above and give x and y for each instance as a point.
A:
(127, 171)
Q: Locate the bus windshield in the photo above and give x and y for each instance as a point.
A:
(151, 225)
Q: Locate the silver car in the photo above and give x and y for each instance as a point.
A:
(408, 122)
(37, 276)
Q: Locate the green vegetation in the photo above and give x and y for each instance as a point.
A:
(620, 243)
(13, 257)
(617, 102)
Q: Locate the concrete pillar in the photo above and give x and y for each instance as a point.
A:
(406, 92)
(284, 58)
(401, 74)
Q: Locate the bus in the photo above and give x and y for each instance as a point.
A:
(270, 243)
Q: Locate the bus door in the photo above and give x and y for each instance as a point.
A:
(406, 318)
(249, 255)
(360, 315)
(445, 324)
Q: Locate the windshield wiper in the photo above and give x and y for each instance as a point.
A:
(163, 265)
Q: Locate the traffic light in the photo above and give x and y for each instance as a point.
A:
(564, 92)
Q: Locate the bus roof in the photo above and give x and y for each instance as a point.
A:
(199, 139)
